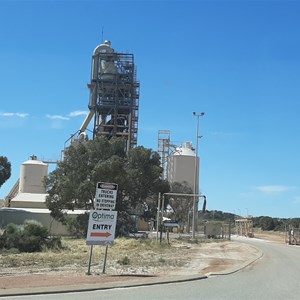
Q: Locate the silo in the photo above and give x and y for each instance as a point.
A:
(32, 174)
(183, 165)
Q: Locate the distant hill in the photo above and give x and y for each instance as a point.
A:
(263, 222)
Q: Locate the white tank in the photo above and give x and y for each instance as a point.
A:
(183, 165)
(32, 174)
(186, 150)
(108, 70)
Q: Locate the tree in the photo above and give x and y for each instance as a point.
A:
(266, 223)
(144, 180)
(73, 184)
(144, 175)
(5, 169)
(181, 205)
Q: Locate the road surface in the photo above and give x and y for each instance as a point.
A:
(275, 276)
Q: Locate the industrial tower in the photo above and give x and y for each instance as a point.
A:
(164, 150)
(114, 95)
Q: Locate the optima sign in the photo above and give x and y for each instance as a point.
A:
(102, 227)
(100, 215)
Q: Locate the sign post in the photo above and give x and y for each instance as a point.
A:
(102, 220)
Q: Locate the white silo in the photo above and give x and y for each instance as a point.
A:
(183, 165)
(32, 174)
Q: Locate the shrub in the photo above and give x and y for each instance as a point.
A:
(78, 225)
(124, 261)
(29, 237)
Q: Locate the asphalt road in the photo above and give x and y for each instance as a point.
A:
(275, 276)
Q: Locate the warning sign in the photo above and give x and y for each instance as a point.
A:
(106, 195)
(102, 227)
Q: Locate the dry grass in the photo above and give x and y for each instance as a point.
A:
(126, 256)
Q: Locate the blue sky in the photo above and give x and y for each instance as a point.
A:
(237, 61)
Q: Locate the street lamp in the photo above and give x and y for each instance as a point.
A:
(196, 176)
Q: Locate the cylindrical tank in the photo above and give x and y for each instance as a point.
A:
(108, 70)
(106, 67)
(183, 165)
(32, 174)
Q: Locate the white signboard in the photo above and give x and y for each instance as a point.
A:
(106, 195)
(102, 227)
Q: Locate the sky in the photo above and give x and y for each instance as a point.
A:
(237, 61)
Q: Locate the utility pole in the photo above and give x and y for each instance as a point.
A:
(196, 176)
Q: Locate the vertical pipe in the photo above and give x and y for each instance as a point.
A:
(162, 216)
(158, 216)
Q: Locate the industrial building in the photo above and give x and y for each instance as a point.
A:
(179, 163)
(114, 96)
(31, 190)
(27, 199)
(113, 106)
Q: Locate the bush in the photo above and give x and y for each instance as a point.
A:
(29, 237)
(124, 261)
(125, 224)
(78, 225)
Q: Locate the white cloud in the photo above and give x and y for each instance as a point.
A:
(273, 188)
(10, 114)
(57, 117)
(77, 113)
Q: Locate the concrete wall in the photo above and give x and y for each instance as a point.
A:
(19, 216)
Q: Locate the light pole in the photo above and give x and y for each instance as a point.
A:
(196, 176)
(247, 212)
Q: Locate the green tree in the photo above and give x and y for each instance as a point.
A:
(181, 205)
(5, 169)
(144, 176)
(144, 181)
(266, 223)
(73, 184)
(295, 222)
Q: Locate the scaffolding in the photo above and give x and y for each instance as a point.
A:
(244, 227)
(114, 97)
(164, 150)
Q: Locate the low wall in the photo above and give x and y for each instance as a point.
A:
(19, 216)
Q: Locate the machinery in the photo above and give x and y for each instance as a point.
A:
(114, 96)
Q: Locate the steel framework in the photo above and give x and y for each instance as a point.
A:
(164, 150)
(114, 95)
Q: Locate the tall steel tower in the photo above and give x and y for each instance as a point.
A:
(114, 95)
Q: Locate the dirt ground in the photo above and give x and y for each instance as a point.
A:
(211, 257)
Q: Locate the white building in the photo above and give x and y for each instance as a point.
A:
(31, 191)
(27, 199)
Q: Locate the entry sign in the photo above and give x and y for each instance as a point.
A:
(102, 227)
(106, 195)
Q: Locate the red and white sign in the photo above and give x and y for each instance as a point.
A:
(102, 227)
(106, 195)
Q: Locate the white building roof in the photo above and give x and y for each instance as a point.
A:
(30, 197)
